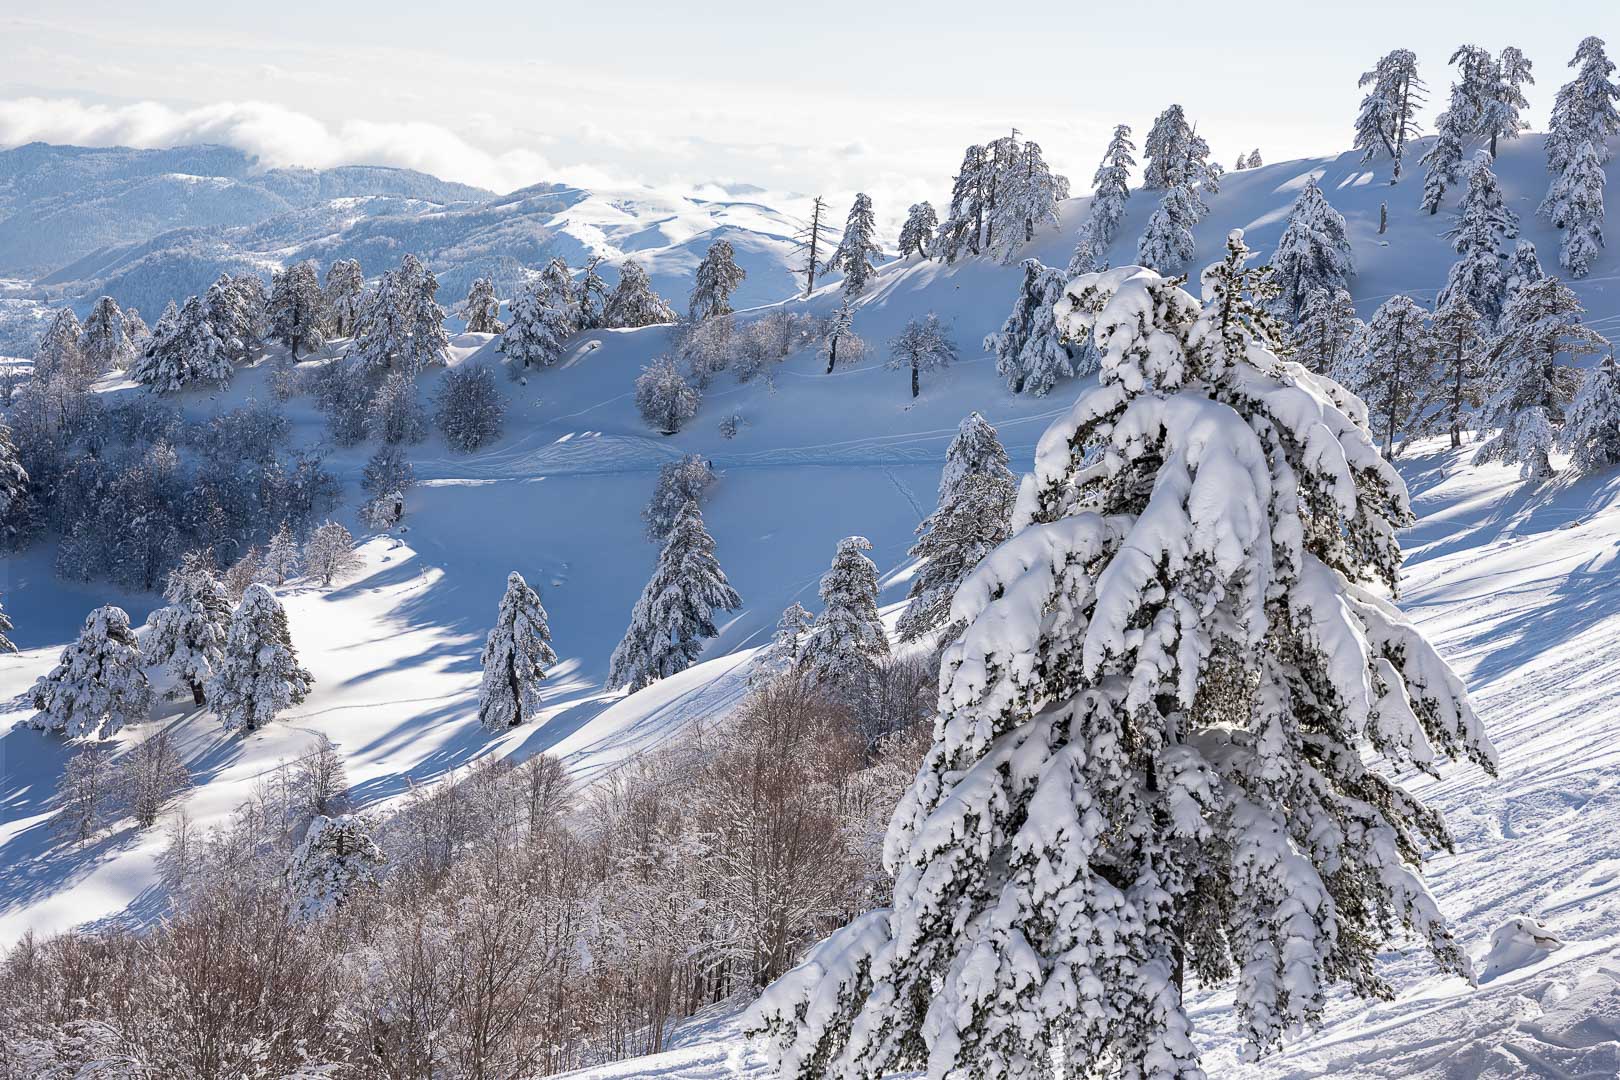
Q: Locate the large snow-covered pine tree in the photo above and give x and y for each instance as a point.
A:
(344, 294)
(857, 254)
(99, 685)
(675, 613)
(60, 352)
(717, 277)
(336, 859)
(1388, 112)
(1312, 253)
(781, 656)
(976, 492)
(1328, 335)
(1167, 243)
(15, 503)
(1153, 760)
(1591, 434)
(259, 675)
(847, 640)
(1531, 387)
(633, 302)
(189, 352)
(1394, 376)
(542, 322)
(515, 658)
(1456, 340)
(1166, 151)
(106, 345)
(1031, 353)
(188, 636)
(297, 309)
(482, 308)
(1111, 187)
(1484, 222)
(917, 234)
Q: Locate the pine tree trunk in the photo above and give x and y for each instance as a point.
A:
(832, 354)
(1456, 400)
(196, 693)
(1394, 399)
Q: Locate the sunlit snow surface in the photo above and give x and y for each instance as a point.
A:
(1518, 586)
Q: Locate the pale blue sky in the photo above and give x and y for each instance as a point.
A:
(827, 97)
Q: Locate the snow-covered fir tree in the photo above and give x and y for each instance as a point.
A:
(298, 315)
(329, 553)
(847, 640)
(1484, 222)
(6, 645)
(684, 479)
(972, 517)
(188, 636)
(1393, 375)
(1388, 117)
(717, 277)
(1574, 203)
(1166, 151)
(344, 295)
(1152, 759)
(136, 330)
(664, 397)
(1523, 268)
(15, 503)
(336, 860)
(515, 658)
(1167, 243)
(1312, 253)
(542, 322)
(675, 613)
(401, 326)
(964, 221)
(1027, 198)
(781, 656)
(482, 308)
(917, 234)
(1111, 188)
(922, 346)
(230, 309)
(471, 408)
(99, 684)
(1584, 108)
(1591, 434)
(1030, 351)
(60, 352)
(839, 340)
(633, 302)
(1456, 340)
(1328, 336)
(106, 345)
(259, 675)
(1533, 384)
(185, 354)
(1443, 160)
(281, 559)
(1254, 159)
(590, 296)
(1500, 115)
(857, 253)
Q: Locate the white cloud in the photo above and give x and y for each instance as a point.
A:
(278, 136)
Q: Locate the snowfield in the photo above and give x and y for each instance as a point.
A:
(1519, 587)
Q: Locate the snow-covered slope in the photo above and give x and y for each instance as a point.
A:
(1516, 585)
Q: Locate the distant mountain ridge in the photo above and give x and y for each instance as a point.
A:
(148, 226)
(60, 203)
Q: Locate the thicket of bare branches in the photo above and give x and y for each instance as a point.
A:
(523, 927)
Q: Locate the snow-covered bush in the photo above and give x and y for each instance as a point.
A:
(329, 553)
(150, 775)
(664, 397)
(395, 414)
(1592, 432)
(471, 408)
